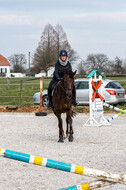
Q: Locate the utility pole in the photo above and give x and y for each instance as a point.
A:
(29, 62)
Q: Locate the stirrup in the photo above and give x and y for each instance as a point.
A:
(74, 103)
(48, 105)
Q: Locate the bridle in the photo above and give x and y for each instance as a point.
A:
(66, 89)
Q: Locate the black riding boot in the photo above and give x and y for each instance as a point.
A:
(74, 103)
(50, 89)
(49, 104)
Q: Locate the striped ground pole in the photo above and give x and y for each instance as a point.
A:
(89, 186)
(78, 187)
(114, 108)
(121, 178)
(113, 117)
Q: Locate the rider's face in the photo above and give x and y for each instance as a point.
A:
(63, 58)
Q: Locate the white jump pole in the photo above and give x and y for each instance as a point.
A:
(114, 108)
(89, 185)
(114, 117)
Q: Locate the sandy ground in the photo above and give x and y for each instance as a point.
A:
(102, 148)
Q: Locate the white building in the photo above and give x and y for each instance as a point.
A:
(41, 74)
(50, 71)
(17, 75)
(4, 67)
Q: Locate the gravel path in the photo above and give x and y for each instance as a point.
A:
(100, 148)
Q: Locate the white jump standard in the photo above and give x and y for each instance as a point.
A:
(95, 100)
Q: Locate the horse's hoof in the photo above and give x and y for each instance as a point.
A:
(71, 138)
(60, 140)
(64, 137)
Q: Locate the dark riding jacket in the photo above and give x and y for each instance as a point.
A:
(59, 70)
(57, 76)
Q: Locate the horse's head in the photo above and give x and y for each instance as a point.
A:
(68, 82)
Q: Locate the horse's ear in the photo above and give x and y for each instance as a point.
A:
(74, 73)
(65, 71)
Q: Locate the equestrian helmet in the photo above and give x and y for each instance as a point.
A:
(63, 53)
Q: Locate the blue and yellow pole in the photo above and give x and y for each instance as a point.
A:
(121, 178)
(85, 186)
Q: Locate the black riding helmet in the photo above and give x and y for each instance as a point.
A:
(63, 53)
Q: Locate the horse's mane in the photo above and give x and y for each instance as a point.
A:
(70, 73)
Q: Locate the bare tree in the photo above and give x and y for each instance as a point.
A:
(51, 42)
(61, 39)
(81, 68)
(18, 61)
(44, 55)
(118, 65)
(115, 67)
(62, 43)
(96, 62)
(109, 67)
(124, 67)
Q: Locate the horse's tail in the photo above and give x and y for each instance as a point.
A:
(74, 113)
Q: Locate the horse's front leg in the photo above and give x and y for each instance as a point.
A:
(60, 124)
(69, 125)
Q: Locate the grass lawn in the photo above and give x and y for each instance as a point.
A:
(20, 91)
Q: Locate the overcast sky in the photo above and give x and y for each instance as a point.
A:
(92, 26)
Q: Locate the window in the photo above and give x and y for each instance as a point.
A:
(76, 84)
(114, 85)
(1, 70)
(84, 85)
(5, 70)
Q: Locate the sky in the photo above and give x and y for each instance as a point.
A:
(91, 26)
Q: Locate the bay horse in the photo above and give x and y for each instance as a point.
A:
(61, 99)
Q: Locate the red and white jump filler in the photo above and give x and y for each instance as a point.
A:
(96, 100)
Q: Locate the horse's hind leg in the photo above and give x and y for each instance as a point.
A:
(61, 132)
(69, 126)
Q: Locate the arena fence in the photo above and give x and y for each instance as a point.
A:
(20, 91)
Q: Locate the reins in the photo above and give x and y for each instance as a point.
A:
(65, 89)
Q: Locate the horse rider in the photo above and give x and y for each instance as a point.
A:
(61, 64)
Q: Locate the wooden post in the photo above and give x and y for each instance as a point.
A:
(21, 90)
(41, 88)
(8, 83)
(29, 62)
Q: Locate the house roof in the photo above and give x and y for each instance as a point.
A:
(4, 61)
